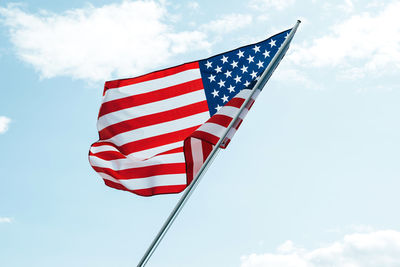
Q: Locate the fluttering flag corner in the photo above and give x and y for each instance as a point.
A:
(157, 130)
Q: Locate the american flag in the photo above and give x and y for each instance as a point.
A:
(156, 130)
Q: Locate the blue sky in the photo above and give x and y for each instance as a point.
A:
(311, 178)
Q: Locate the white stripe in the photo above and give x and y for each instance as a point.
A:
(243, 113)
(197, 154)
(245, 93)
(228, 111)
(108, 177)
(230, 134)
(256, 93)
(152, 85)
(102, 148)
(148, 153)
(212, 128)
(149, 182)
(144, 154)
(159, 129)
(129, 163)
(151, 108)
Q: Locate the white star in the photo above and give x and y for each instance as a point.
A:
(224, 59)
(237, 79)
(253, 74)
(212, 78)
(215, 93)
(218, 107)
(244, 69)
(272, 43)
(246, 83)
(228, 73)
(250, 59)
(208, 64)
(256, 49)
(287, 35)
(234, 64)
(224, 98)
(218, 69)
(266, 54)
(221, 83)
(231, 89)
(260, 64)
(240, 54)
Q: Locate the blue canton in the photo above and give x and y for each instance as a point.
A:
(224, 75)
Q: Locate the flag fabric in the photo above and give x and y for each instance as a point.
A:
(156, 130)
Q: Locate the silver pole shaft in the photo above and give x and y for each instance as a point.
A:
(258, 86)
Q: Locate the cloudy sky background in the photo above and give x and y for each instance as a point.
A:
(311, 179)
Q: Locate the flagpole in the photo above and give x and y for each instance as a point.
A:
(178, 207)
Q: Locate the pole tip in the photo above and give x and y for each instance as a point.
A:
(299, 21)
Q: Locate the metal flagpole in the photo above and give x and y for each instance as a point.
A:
(258, 86)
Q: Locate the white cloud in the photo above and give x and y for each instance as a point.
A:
(193, 5)
(4, 122)
(379, 248)
(263, 17)
(228, 23)
(363, 44)
(96, 44)
(268, 4)
(5, 220)
(346, 6)
(296, 76)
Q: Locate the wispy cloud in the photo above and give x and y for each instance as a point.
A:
(97, 43)
(346, 6)
(4, 122)
(378, 248)
(193, 5)
(363, 44)
(5, 220)
(228, 23)
(268, 4)
(296, 76)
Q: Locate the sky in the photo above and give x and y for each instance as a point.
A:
(310, 179)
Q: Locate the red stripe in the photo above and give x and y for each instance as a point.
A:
(250, 104)
(103, 143)
(225, 143)
(153, 96)
(207, 148)
(220, 119)
(206, 137)
(108, 155)
(172, 151)
(237, 124)
(156, 141)
(113, 155)
(142, 172)
(156, 118)
(235, 102)
(150, 76)
(169, 189)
